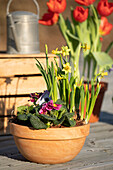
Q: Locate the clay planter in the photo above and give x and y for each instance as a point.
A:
(97, 108)
(50, 146)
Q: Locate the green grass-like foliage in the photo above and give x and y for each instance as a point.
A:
(71, 90)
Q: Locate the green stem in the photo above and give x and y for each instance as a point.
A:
(97, 24)
(76, 62)
(84, 66)
(64, 91)
(77, 27)
(61, 61)
(93, 103)
(72, 100)
(89, 66)
(63, 28)
(94, 70)
(47, 64)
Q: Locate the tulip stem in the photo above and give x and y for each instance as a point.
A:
(97, 24)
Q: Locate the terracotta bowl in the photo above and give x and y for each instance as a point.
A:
(50, 146)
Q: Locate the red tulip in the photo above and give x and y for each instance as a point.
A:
(105, 26)
(80, 14)
(49, 18)
(85, 2)
(57, 6)
(104, 8)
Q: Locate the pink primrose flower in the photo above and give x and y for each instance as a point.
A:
(34, 95)
(43, 110)
(51, 106)
(32, 100)
(57, 106)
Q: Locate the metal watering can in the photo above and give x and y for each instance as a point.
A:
(22, 31)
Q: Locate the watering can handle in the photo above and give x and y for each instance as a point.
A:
(35, 2)
(14, 32)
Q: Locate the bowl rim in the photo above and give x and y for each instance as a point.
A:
(50, 133)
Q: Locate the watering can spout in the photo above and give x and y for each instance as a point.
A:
(14, 32)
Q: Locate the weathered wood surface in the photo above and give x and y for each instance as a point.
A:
(20, 66)
(8, 107)
(21, 85)
(40, 55)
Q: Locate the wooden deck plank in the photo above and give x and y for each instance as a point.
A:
(100, 166)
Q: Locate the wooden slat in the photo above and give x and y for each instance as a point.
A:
(8, 106)
(12, 67)
(11, 103)
(40, 55)
(21, 85)
(4, 125)
(21, 66)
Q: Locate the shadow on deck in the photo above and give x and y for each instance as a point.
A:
(106, 117)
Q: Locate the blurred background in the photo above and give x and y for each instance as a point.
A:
(50, 35)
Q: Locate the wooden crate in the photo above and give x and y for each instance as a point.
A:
(19, 76)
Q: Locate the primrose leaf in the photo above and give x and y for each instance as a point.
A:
(37, 123)
(46, 117)
(70, 120)
(23, 117)
(59, 121)
(22, 108)
(30, 108)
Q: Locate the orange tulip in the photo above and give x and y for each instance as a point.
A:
(57, 6)
(49, 18)
(105, 26)
(104, 8)
(85, 2)
(80, 14)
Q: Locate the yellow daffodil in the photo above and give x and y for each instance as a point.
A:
(59, 77)
(101, 75)
(56, 51)
(104, 74)
(85, 47)
(65, 50)
(66, 68)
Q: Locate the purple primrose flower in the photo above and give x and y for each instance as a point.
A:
(43, 110)
(32, 100)
(49, 106)
(34, 95)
